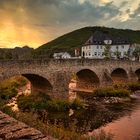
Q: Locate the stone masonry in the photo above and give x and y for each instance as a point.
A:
(54, 75)
(11, 129)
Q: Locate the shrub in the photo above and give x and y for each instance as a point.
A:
(7, 110)
(8, 88)
(7, 93)
(40, 102)
(120, 86)
(77, 104)
(134, 86)
(110, 92)
(43, 102)
(25, 102)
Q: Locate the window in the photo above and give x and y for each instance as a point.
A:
(89, 54)
(117, 47)
(101, 47)
(122, 47)
(97, 47)
(95, 53)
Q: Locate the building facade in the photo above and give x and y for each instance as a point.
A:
(101, 45)
(61, 55)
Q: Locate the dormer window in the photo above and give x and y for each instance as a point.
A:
(108, 41)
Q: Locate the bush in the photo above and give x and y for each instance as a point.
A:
(7, 110)
(110, 92)
(7, 93)
(134, 86)
(77, 104)
(40, 102)
(25, 102)
(8, 88)
(33, 120)
(43, 102)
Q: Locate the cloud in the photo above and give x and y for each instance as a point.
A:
(136, 12)
(35, 22)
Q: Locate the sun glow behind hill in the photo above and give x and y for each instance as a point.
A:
(12, 35)
(35, 22)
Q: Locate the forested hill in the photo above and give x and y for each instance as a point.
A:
(74, 39)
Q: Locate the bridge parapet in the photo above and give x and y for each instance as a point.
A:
(13, 129)
(59, 72)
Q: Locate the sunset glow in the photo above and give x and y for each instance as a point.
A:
(35, 22)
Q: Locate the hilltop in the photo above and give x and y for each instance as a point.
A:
(15, 53)
(75, 39)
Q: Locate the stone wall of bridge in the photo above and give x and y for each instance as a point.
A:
(53, 76)
(11, 129)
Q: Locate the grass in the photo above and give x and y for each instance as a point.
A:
(134, 86)
(59, 132)
(9, 88)
(42, 101)
(111, 92)
(33, 120)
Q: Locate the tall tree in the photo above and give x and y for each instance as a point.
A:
(107, 51)
(136, 53)
(117, 54)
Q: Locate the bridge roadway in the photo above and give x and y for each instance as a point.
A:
(53, 76)
(11, 129)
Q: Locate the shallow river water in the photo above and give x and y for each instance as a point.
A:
(120, 119)
(126, 127)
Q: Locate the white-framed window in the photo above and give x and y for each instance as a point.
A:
(95, 53)
(97, 47)
(122, 47)
(101, 47)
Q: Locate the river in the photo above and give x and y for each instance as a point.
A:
(122, 120)
(126, 127)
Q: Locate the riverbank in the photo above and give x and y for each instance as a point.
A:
(53, 118)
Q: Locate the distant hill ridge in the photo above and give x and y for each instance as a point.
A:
(15, 53)
(77, 38)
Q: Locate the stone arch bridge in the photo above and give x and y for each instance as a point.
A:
(53, 76)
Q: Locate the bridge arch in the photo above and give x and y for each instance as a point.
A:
(119, 76)
(137, 72)
(87, 79)
(39, 83)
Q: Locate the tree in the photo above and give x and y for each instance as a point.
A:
(8, 55)
(107, 51)
(127, 55)
(117, 54)
(136, 53)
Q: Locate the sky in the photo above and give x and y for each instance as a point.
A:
(35, 22)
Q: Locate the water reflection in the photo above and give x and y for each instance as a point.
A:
(127, 127)
(95, 116)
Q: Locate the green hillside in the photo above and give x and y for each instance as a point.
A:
(74, 39)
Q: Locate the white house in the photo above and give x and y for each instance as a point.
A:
(62, 55)
(97, 44)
